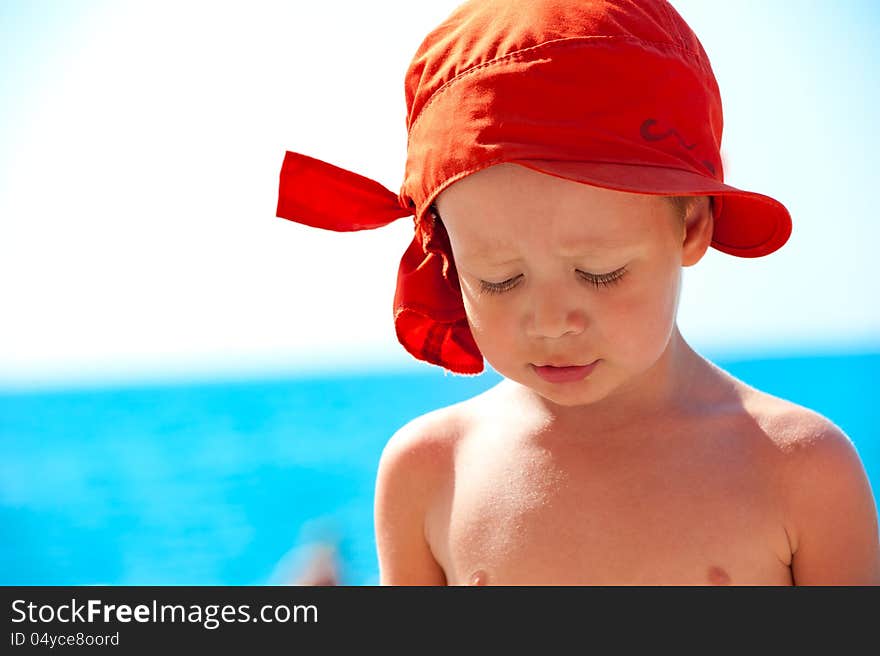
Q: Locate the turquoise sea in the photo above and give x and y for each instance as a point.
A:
(234, 483)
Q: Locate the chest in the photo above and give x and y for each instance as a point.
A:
(532, 513)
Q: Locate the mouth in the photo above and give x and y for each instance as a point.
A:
(564, 373)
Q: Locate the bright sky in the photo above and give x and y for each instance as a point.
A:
(140, 145)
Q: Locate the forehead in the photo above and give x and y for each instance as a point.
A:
(501, 207)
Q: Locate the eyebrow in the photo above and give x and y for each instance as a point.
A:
(583, 248)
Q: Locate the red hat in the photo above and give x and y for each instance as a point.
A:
(613, 93)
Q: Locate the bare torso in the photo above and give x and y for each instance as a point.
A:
(689, 500)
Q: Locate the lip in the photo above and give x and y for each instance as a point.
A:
(565, 374)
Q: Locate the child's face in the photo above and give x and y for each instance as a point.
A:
(545, 243)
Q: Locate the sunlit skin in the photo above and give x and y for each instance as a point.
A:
(543, 236)
(657, 469)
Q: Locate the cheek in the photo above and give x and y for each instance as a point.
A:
(642, 321)
(490, 323)
(479, 314)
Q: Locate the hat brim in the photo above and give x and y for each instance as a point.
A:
(746, 224)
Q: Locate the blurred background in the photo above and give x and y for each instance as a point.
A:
(193, 391)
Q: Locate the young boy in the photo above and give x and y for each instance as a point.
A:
(563, 165)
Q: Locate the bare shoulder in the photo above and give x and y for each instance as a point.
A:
(429, 440)
(426, 441)
(415, 464)
(793, 428)
(809, 443)
(830, 512)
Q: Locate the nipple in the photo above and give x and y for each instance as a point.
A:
(718, 576)
(479, 578)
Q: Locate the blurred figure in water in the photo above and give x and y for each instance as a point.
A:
(321, 567)
(314, 560)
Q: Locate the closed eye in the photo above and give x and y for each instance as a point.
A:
(603, 279)
(595, 279)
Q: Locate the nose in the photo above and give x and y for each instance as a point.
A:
(554, 314)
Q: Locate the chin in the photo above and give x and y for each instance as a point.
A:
(568, 399)
(565, 395)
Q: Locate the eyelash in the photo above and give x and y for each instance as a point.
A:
(604, 280)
